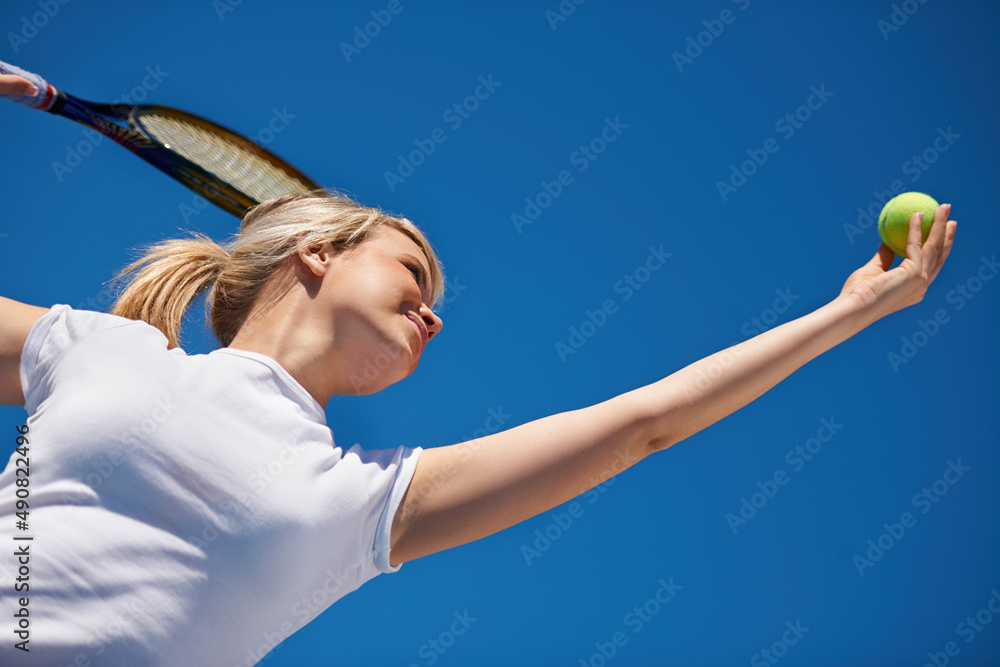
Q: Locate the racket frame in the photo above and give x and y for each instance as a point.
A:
(136, 140)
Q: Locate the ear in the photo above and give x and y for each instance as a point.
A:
(314, 259)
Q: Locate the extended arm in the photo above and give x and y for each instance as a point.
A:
(461, 493)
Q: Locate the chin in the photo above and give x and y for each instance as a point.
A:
(383, 367)
(367, 388)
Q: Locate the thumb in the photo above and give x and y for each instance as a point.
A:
(883, 259)
(11, 84)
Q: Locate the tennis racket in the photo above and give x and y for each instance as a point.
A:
(224, 167)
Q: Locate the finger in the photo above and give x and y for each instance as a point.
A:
(932, 246)
(11, 84)
(949, 239)
(884, 257)
(913, 240)
(881, 261)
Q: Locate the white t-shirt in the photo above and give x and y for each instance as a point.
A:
(185, 509)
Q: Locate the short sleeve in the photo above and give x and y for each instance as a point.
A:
(51, 337)
(388, 473)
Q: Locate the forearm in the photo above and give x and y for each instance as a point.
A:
(704, 392)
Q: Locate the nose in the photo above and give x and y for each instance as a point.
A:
(433, 322)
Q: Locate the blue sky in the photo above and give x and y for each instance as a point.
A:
(618, 121)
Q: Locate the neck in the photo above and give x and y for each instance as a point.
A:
(303, 348)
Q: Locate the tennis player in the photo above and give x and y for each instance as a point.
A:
(196, 510)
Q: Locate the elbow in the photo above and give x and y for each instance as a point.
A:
(663, 416)
(654, 435)
(658, 443)
(655, 427)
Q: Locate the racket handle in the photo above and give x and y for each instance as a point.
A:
(46, 93)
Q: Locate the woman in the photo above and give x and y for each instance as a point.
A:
(194, 509)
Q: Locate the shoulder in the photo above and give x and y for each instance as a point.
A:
(77, 322)
(16, 322)
(78, 342)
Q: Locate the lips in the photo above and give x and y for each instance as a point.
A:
(421, 329)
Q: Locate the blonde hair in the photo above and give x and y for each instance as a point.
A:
(170, 274)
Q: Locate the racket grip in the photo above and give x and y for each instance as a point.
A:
(46, 92)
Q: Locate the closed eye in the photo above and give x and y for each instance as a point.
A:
(418, 274)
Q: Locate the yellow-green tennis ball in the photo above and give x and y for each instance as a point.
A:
(894, 221)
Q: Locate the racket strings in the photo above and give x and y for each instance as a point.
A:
(221, 157)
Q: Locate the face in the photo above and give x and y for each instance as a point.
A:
(373, 300)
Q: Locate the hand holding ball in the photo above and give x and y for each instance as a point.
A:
(894, 221)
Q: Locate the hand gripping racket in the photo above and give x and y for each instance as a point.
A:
(226, 168)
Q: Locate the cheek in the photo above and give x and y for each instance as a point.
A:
(365, 322)
(365, 303)
(359, 295)
(368, 287)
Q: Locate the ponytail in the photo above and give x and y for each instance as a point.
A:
(168, 277)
